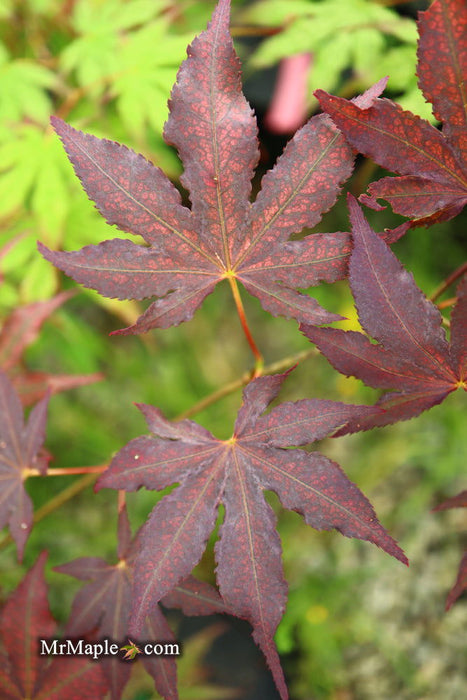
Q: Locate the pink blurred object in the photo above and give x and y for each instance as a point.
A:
(287, 111)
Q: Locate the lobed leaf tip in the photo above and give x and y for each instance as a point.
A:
(371, 202)
(221, 13)
(60, 126)
(321, 93)
(392, 548)
(357, 219)
(99, 485)
(382, 83)
(55, 121)
(43, 250)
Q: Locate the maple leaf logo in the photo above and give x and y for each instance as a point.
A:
(223, 236)
(101, 608)
(131, 650)
(433, 164)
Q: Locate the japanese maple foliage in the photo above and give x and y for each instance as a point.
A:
(433, 164)
(460, 585)
(186, 252)
(223, 235)
(235, 472)
(19, 330)
(20, 456)
(102, 607)
(24, 673)
(412, 356)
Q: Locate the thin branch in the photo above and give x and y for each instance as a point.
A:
(259, 361)
(56, 502)
(64, 496)
(447, 303)
(227, 389)
(254, 30)
(462, 269)
(66, 471)
(121, 500)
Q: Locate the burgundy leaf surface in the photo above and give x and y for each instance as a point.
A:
(412, 356)
(234, 472)
(460, 585)
(20, 454)
(102, 607)
(432, 164)
(223, 236)
(459, 501)
(21, 329)
(24, 673)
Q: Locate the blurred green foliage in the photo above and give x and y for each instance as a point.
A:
(359, 40)
(107, 66)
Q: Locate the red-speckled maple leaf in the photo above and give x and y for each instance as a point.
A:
(412, 356)
(433, 164)
(18, 331)
(20, 456)
(460, 585)
(223, 235)
(235, 472)
(102, 607)
(24, 671)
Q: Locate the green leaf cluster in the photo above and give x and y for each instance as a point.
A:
(108, 66)
(359, 39)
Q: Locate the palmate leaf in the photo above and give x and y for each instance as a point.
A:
(20, 455)
(25, 86)
(460, 585)
(412, 356)
(433, 164)
(102, 30)
(235, 472)
(149, 59)
(34, 178)
(222, 236)
(103, 607)
(24, 673)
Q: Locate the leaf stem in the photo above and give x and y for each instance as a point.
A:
(65, 471)
(229, 388)
(121, 500)
(447, 303)
(449, 280)
(64, 496)
(259, 361)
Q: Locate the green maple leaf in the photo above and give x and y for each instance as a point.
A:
(131, 650)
